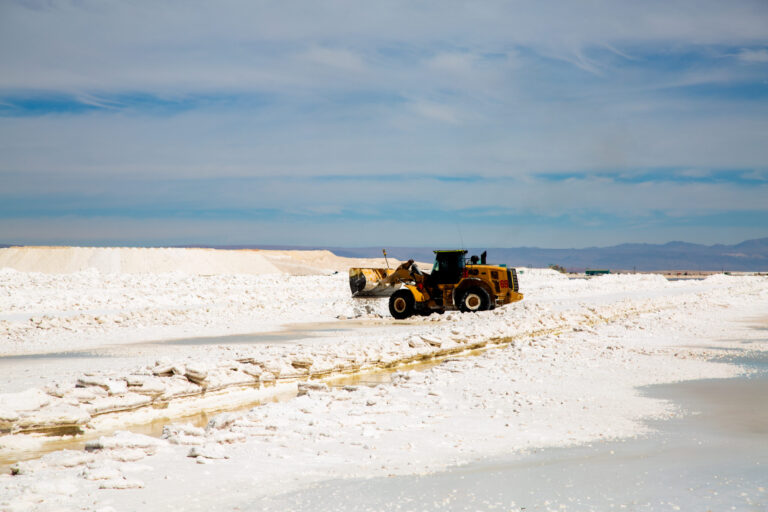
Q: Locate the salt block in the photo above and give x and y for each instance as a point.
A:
(58, 389)
(196, 372)
(117, 403)
(101, 473)
(28, 400)
(60, 414)
(208, 451)
(85, 381)
(67, 458)
(130, 454)
(306, 387)
(197, 380)
(179, 386)
(124, 439)
(226, 437)
(223, 377)
(121, 483)
(432, 341)
(303, 362)
(183, 434)
(7, 417)
(221, 421)
(150, 386)
(252, 370)
(163, 370)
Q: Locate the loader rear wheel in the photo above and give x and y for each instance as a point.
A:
(474, 299)
(401, 304)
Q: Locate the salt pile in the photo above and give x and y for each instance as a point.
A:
(140, 260)
(127, 260)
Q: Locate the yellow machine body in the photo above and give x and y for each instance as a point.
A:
(455, 283)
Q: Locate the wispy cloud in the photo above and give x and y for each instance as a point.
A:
(336, 58)
(443, 113)
(458, 63)
(760, 55)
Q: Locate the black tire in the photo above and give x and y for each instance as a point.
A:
(474, 299)
(401, 304)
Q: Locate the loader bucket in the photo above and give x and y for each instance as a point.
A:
(371, 282)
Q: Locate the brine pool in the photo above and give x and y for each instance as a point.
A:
(712, 458)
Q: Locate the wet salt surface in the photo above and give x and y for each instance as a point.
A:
(616, 339)
(715, 457)
(18, 372)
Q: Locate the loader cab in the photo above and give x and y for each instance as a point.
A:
(448, 267)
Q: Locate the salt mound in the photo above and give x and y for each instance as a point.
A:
(307, 262)
(131, 260)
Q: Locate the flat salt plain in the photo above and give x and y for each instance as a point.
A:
(563, 369)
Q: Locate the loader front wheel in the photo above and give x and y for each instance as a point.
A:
(401, 304)
(474, 299)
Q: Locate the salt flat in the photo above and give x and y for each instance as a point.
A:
(559, 368)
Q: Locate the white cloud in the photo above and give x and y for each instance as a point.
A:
(459, 63)
(695, 173)
(337, 58)
(235, 44)
(435, 111)
(747, 55)
(757, 174)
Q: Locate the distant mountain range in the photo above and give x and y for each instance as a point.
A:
(748, 256)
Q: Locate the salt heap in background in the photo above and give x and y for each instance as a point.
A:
(128, 260)
(139, 260)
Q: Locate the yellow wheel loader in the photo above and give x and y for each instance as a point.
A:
(454, 283)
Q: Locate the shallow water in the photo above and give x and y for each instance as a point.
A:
(239, 339)
(713, 458)
(77, 440)
(20, 372)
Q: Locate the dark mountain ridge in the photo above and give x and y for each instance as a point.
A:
(747, 256)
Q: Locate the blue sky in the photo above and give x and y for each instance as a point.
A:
(499, 124)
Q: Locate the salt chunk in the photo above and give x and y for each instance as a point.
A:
(67, 458)
(196, 371)
(117, 403)
(221, 421)
(7, 416)
(123, 439)
(150, 386)
(252, 370)
(208, 451)
(121, 483)
(129, 454)
(306, 387)
(163, 370)
(101, 473)
(226, 437)
(60, 414)
(112, 386)
(185, 429)
(304, 362)
(432, 341)
(28, 400)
